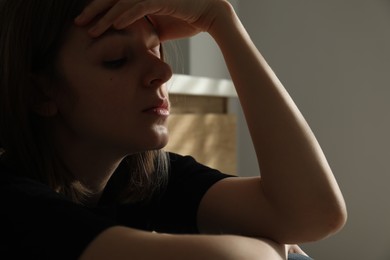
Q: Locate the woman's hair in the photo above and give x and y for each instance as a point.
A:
(31, 35)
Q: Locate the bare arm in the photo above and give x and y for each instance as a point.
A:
(297, 187)
(120, 243)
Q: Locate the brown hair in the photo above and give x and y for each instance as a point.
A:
(31, 33)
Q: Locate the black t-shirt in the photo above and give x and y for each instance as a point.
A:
(37, 223)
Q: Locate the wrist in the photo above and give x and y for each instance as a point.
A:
(224, 15)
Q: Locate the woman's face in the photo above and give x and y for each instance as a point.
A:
(113, 94)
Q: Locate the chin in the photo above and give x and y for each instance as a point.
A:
(149, 139)
(158, 140)
(161, 143)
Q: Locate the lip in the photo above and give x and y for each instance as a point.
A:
(160, 107)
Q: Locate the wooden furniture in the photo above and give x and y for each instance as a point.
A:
(200, 124)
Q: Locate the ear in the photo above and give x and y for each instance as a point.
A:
(42, 100)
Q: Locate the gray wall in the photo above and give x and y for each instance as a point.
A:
(334, 59)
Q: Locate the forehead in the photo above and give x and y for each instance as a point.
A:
(79, 35)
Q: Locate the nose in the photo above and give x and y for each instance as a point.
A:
(157, 72)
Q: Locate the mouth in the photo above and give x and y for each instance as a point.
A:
(161, 108)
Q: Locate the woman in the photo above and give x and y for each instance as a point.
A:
(84, 110)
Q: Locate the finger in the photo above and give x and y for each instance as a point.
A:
(124, 13)
(92, 10)
(135, 13)
(115, 13)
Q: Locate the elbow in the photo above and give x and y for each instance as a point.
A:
(312, 225)
(334, 220)
(332, 216)
(324, 223)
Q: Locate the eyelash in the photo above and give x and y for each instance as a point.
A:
(119, 63)
(115, 64)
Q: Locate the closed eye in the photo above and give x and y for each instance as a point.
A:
(115, 64)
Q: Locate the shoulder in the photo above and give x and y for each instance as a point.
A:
(189, 180)
(187, 172)
(188, 165)
(180, 160)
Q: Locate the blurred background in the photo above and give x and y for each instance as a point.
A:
(334, 59)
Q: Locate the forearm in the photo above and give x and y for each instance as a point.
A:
(289, 155)
(119, 243)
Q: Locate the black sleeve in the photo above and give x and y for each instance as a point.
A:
(189, 181)
(37, 223)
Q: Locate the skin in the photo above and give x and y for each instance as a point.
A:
(111, 102)
(297, 198)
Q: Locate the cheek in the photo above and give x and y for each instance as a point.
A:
(91, 87)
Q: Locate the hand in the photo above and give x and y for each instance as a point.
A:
(172, 18)
(295, 249)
